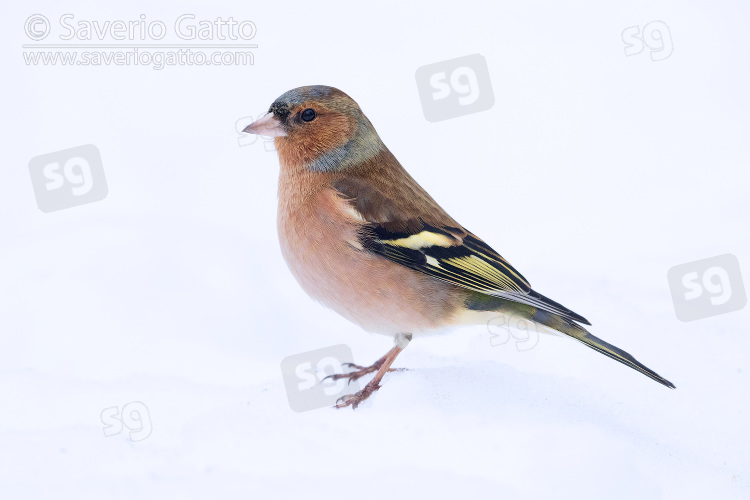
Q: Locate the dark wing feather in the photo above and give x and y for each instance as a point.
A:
(447, 252)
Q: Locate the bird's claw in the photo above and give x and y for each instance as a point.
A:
(354, 365)
(355, 399)
(350, 376)
(359, 373)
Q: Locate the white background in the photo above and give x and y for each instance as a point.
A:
(594, 173)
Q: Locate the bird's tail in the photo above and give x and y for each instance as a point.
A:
(553, 315)
(585, 337)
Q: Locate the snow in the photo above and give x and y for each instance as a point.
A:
(594, 174)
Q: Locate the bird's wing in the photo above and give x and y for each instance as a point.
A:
(444, 251)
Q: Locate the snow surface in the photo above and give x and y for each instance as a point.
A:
(594, 173)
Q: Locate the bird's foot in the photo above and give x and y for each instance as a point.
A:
(361, 371)
(381, 367)
(355, 399)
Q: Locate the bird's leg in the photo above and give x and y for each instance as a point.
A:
(383, 366)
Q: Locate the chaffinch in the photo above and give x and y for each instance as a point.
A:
(362, 237)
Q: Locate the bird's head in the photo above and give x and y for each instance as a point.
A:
(319, 128)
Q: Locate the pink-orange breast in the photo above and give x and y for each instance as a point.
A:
(319, 240)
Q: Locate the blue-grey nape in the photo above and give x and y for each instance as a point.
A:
(363, 145)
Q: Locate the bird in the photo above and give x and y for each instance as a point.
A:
(363, 238)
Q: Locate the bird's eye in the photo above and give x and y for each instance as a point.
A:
(308, 115)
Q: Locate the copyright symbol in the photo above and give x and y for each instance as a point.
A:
(37, 27)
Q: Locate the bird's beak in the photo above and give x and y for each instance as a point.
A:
(268, 125)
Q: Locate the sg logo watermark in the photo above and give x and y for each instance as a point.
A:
(655, 35)
(707, 287)
(503, 328)
(246, 139)
(305, 378)
(134, 416)
(68, 178)
(456, 87)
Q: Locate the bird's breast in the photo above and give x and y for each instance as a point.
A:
(318, 233)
